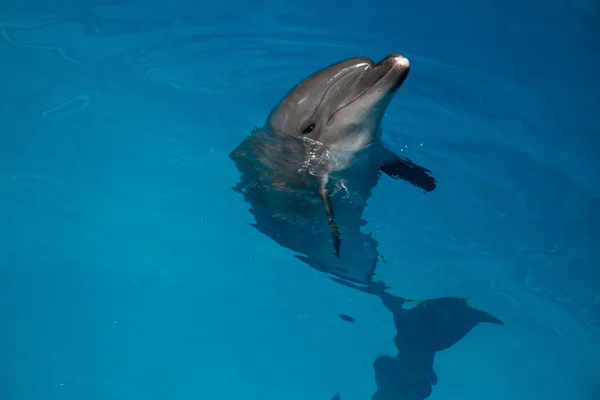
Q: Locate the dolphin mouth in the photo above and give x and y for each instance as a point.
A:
(394, 68)
(390, 71)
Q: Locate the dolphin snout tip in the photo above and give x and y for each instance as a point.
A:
(401, 61)
(397, 59)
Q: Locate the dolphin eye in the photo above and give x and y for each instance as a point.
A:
(308, 129)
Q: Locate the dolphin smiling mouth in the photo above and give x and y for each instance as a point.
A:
(377, 72)
(392, 64)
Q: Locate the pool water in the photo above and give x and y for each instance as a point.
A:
(129, 267)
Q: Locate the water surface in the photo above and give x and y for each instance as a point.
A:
(127, 264)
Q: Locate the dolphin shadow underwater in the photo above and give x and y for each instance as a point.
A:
(308, 173)
(432, 325)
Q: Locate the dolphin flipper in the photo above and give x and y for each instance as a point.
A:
(399, 167)
(482, 316)
(335, 232)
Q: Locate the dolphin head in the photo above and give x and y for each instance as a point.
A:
(341, 105)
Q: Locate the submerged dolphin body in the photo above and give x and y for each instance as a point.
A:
(429, 327)
(309, 171)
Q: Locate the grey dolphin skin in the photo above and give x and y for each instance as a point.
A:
(309, 171)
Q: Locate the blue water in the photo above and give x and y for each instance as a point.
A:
(128, 265)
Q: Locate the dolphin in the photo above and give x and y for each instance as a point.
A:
(308, 172)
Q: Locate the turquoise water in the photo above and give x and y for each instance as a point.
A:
(129, 268)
